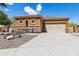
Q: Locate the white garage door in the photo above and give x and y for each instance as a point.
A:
(55, 27)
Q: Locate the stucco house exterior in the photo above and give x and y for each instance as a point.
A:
(77, 29)
(38, 23)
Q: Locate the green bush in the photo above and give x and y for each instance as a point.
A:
(72, 25)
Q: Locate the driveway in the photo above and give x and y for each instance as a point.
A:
(46, 44)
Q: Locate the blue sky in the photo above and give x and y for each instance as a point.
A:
(70, 10)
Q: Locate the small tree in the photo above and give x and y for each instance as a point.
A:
(4, 20)
(19, 33)
(72, 25)
(8, 22)
(3, 16)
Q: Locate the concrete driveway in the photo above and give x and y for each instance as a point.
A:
(47, 44)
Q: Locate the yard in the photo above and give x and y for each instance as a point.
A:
(14, 43)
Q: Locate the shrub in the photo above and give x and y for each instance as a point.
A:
(72, 25)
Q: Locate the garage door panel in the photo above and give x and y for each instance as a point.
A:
(55, 27)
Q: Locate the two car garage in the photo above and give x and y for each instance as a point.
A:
(55, 27)
(56, 24)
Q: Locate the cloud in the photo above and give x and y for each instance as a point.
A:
(31, 11)
(10, 3)
(6, 9)
(39, 7)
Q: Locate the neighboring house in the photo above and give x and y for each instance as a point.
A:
(77, 29)
(3, 28)
(38, 23)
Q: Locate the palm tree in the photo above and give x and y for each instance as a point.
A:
(3, 5)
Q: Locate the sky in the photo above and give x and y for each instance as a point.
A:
(70, 10)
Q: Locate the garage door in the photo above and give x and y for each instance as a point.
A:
(55, 27)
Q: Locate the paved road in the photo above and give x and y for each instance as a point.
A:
(46, 44)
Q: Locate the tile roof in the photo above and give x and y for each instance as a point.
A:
(44, 17)
(56, 18)
(30, 16)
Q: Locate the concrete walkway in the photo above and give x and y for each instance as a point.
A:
(46, 44)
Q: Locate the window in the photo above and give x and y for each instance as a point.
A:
(21, 23)
(26, 23)
(33, 21)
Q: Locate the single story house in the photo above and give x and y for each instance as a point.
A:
(38, 23)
